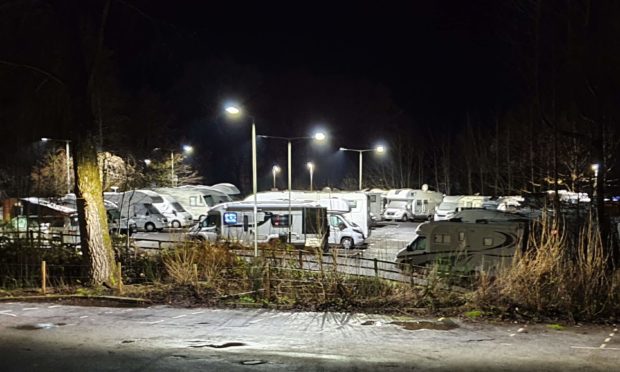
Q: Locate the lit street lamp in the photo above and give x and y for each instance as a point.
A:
(378, 149)
(310, 166)
(275, 170)
(319, 136)
(232, 110)
(67, 157)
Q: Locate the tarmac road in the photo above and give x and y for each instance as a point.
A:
(53, 337)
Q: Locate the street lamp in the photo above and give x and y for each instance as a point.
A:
(233, 110)
(275, 170)
(378, 149)
(319, 136)
(310, 166)
(67, 157)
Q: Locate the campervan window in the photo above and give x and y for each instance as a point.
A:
(151, 209)
(193, 201)
(157, 199)
(441, 238)
(420, 244)
(461, 236)
(280, 220)
(212, 220)
(373, 198)
(397, 204)
(487, 242)
(230, 218)
(178, 207)
(209, 200)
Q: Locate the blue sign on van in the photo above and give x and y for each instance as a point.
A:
(230, 218)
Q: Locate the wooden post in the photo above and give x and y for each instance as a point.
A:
(195, 267)
(301, 259)
(43, 276)
(268, 283)
(376, 267)
(119, 274)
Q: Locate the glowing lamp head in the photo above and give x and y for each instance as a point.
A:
(320, 136)
(233, 110)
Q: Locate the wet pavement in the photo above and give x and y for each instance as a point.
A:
(50, 337)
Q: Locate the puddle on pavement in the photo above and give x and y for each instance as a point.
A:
(37, 326)
(220, 346)
(423, 324)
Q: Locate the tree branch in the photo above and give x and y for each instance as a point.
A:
(34, 68)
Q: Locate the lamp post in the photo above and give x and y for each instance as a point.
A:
(275, 170)
(67, 158)
(378, 149)
(595, 183)
(310, 166)
(319, 136)
(232, 110)
(187, 149)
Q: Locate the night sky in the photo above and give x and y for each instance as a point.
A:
(363, 71)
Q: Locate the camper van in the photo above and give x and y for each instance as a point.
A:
(410, 204)
(464, 247)
(197, 200)
(138, 205)
(456, 203)
(354, 205)
(344, 233)
(234, 222)
(376, 199)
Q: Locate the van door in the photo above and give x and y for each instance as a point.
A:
(335, 233)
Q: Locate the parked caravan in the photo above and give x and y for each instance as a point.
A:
(411, 204)
(234, 222)
(195, 200)
(456, 203)
(464, 247)
(357, 207)
(116, 224)
(175, 213)
(138, 205)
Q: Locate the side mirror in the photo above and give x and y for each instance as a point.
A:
(342, 226)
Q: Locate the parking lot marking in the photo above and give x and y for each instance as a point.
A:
(13, 315)
(29, 308)
(53, 306)
(179, 316)
(595, 348)
(155, 322)
(84, 316)
(197, 312)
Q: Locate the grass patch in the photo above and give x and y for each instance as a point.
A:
(556, 327)
(473, 314)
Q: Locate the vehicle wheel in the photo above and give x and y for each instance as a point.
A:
(176, 224)
(405, 218)
(346, 243)
(149, 226)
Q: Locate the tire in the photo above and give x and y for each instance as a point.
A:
(149, 226)
(405, 218)
(175, 224)
(347, 243)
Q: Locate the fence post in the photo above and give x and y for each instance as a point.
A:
(195, 267)
(376, 267)
(43, 276)
(301, 259)
(268, 283)
(119, 274)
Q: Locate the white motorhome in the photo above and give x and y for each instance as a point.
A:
(376, 199)
(234, 222)
(464, 247)
(196, 200)
(175, 213)
(357, 201)
(138, 205)
(452, 204)
(411, 204)
(343, 232)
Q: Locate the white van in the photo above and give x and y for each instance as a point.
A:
(344, 233)
(452, 204)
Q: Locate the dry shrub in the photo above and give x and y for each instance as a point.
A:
(557, 276)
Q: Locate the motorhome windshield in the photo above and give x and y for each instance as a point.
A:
(447, 206)
(178, 207)
(214, 199)
(397, 204)
(151, 209)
